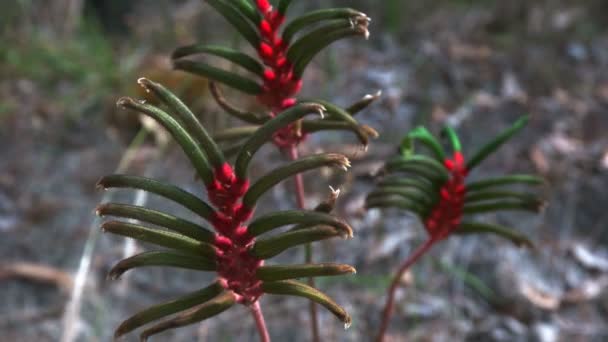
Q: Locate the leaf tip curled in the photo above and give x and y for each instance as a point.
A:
(347, 323)
(144, 83)
(125, 102)
(100, 185)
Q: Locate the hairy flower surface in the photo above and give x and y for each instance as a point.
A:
(436, 189)
(283, 53)
(233, 247)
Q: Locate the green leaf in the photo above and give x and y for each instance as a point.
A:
(420, 184)
(502, 181)
(360, 105)
(235, 133)
(334, 112)
(247, 9)
(296, 288)
(533, 206)
(504, 232)
(419, 165)
(266, 132)
(241, 59)
(213, 307)
(453, 138)
(394, 202)
(411, 194)
(496, 143)
(284, 272)
(170, 222)
(283, 5)
(426, 138)
(314, 17)
(168, 308)
(287, 171)
(236, 19)
(185, 140)
(189, 121)
(268, 222)
(269, 247)
(228, 78)
(233, 110)
(306, 48)
(162, 258)
(158, 237)
(478, 196)
(168, 191)
(363, 132)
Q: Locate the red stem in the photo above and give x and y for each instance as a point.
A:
(260, 323)
(300, 198)
(390, 300)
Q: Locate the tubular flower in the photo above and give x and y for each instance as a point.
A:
(232, 246)
(435, 187)
(283, 53)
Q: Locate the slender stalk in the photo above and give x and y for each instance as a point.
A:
(300, 199)
(260, 323)
(390, 299)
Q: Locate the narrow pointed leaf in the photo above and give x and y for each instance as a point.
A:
(363, 132)
(298, 289)
(453, 138)
(185, 140)
(496, 143)
(268, 222)
(412, 194)
(302, 52)
(394, 202)
(158, 237)
(235, 133)
(266, 132)
(420, 165)
(504, 232)
(241, 59)
(425, 137)
(248, 10)
(189, 121)
(269, 247)
(236, 19)
(478, 196)
(283, 6)
(422, 185)
(171, 192)
(162, 258)
(228, 78)
(360, 105)
(502, 181)
(318, 16)
(213, 307)
(533, 206)
(339, 114)
(284, 272)
(170, 222)
(234, 111)
(168, 308)
(282, 173)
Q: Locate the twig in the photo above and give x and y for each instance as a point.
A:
(260, 323)
(72, 312)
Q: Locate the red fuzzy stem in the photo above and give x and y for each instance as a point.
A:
(260, 323)
(390, 299)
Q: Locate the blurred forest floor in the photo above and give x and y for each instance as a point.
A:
(476, 65)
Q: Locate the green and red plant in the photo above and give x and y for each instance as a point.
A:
(434, 188)
(284, 51)
(233, 247)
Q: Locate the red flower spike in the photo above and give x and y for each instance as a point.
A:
(263, 5)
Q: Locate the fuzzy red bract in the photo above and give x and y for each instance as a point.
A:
(280, 84)
(446, 216)
(236, 266)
